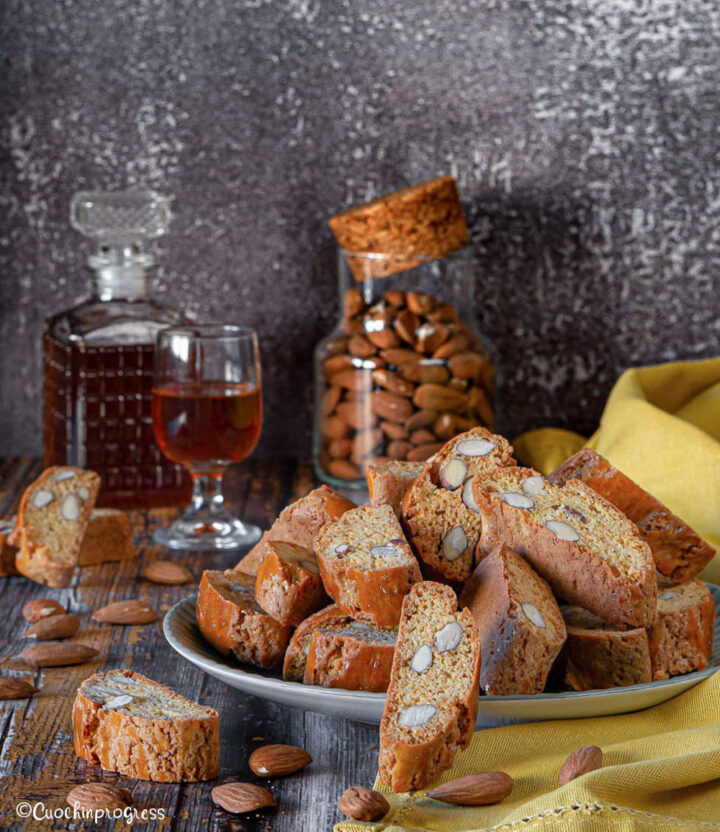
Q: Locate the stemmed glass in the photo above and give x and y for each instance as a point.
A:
(206, 414)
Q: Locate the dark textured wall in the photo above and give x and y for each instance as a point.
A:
(583, 134)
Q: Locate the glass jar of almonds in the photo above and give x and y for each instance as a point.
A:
(405, 369)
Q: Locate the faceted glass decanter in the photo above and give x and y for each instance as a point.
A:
(99, 357)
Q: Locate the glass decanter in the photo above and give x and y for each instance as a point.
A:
(99, 355)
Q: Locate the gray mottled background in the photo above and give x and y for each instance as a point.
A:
(583, 134)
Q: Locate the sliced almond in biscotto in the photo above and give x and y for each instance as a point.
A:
(239, 798)
(475, 789)
(167, 572)
(53, 627)
(95, 796)
(125, 612)
(58, 653)
(278, 760)
(14, 688)
(41, 608)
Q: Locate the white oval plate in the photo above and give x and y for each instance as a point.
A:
(182, 633)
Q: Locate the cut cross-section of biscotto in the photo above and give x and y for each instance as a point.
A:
(8, 550)
(108, 538)
(288, 584)
(232, 621)
(388, 481)
(127, 723)
(52, 519)
(432, 700)
(355, 655)
(681, 639)
(299, 522)
(366, 564)
(519, 623)
(679, 551)
(438, 510)
(584, 547)
(598, 655)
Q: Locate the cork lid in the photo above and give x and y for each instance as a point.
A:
(403, 229)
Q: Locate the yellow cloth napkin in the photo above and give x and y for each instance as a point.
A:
(660, 773)
(661, 426)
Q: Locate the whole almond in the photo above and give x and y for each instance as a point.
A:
(167, 572)
(353, 303)
(339, 448)
(357, 414)
(53, 627)
(58, 653)
(458, 343)
(394, 430)
(475, 789)
(420, 419)
(422, 452)
(241, 797)
(41, 608)
(360, 347)
(390, 406)
(391, 381)
(468, 365)
(422, 436)
(14, 688)
(330, 399)
(400, 356)
(335, 427)
(278, 760)
(356, 378)
(395, 297)
(385, 339)
(338, 363)
(364, 442)
(342, 469)
(94, 796)
(361, 803)
(125, 612)
(406, 323)
(421, 303)
(582, 761)
(437, 397)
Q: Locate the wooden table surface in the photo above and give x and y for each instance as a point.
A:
(37, 760)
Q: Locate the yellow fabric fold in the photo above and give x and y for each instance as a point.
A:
(661, 773)
(661, 427)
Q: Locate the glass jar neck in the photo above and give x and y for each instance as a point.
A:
(121, 273)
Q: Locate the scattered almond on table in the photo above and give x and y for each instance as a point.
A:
(239, 798)
(58, 653)
(125, 612)
(40, 608)
(278, 760)
(361, 803)
(94, 796)
(581, 761)
(14, 688)
(475, 789)
(64, 625)
(167, 572)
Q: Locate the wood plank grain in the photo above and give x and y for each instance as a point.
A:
(36, 757)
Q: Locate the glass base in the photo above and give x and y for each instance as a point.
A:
(212, 533)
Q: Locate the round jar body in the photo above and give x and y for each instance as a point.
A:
(405, 369)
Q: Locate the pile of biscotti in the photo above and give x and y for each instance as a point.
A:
(581, 578)
(58, 528)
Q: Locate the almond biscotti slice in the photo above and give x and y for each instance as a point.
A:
(597, 655)
(354, 655)
(388, 481)
(519, 623)
(584, 547)
(366, 564)
(432, 700)
(288, 584)
(438, 510)
(299, 522)
(232, 621)
(127, 723)
(52, 519)
(299, 646)
(679, 551)
(8, 550)
(108, 538)
(681, 640)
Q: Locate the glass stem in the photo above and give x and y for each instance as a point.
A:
(207, 494)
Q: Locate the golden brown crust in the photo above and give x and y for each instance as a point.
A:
(422, 221)
(288, 584)
(679, 551)
(367, 591)
(163, 750)
(296, 653)
(412, 757)
(519, 623)
(231, 620)
(8, 551)
(299, 523)
(108, 538)
(39, 560)
(598, 656)
(681, 640)
(389, 481)
(429, 512)
(576, 573)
